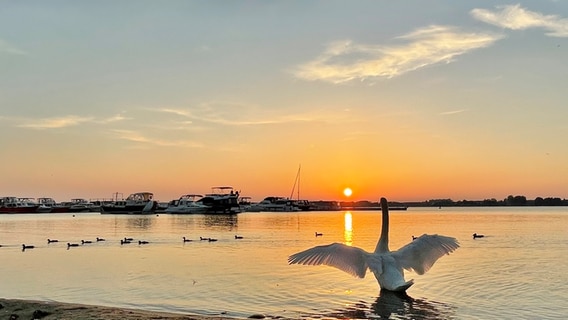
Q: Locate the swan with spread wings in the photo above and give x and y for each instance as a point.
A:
(387, 266)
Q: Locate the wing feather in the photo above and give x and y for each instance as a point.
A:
(349, 259)
(421, 254)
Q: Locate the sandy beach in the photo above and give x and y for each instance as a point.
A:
(27, 310)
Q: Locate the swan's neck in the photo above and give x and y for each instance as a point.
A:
(383, 245)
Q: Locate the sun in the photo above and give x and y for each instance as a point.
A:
(347, 192)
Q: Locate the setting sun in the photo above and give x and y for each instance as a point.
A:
(347, 192)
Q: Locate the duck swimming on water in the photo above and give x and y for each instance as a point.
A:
(475, 236)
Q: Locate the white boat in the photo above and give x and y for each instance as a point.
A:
(187, 204)
(82, 205)
(276, 204)
(136, 203)
(48, 205)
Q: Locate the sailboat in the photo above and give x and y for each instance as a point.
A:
(303, 205)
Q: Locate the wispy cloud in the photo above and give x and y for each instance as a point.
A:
(8, 48)
(235, 114)
(116, 118)
(64, 121)
(134, 136)
(55, 123)
(515, 17)
(346, 61)
(447, 113)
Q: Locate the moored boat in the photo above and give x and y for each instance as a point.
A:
(18, 205)
(187, 204)
(275, 204)
(48, 205)
(136, 203)
(222, 200)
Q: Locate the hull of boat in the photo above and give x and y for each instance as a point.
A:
(31, 209)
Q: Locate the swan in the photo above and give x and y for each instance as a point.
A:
(387, 266)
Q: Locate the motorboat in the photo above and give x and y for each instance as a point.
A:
(221, 200)
(276, 204)
(48, 205)
(18, 205)
(80, 205)
(135, 203)
(187, 204)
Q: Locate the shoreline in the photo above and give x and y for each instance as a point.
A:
(19, 309)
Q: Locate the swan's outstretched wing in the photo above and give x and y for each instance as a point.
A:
(422, 252)
(349, 259)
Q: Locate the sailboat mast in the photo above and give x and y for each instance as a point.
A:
(296, 182)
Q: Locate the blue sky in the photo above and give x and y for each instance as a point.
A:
(409, 100)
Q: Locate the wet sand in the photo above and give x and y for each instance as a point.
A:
(14, 309)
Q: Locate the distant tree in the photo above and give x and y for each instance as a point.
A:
(516, 200)
(490, 202)
(538, 201)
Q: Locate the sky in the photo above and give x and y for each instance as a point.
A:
(408, 100)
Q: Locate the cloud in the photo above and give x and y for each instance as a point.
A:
(116, 118)
(237, 114)
(8, 48)
(134, 136)
(515, 17)
(447, 113)
(55, 123)
(346, 61)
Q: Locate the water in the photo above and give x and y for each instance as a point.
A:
(517, 271)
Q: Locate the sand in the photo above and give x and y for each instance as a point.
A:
(28, 310)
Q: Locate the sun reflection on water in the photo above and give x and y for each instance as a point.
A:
(348, 233)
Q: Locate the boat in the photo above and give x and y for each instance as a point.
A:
(187, 204)
(303, 205)
(221, 200)
(48, 205)
(82, 205)
(275, 204)
(18, 205)
(135, 203)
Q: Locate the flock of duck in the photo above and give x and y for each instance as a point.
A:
(123, 241)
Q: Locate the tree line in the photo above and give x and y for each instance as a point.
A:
(511, 200)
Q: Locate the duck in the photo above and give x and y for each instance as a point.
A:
(186, 240)
(142, 242)
(387, 266)
(24, 247)
(100, 239)
(72, 245)
(239, 237)
(86, 241)
(319, 234)
(475, 236)
(212, 239)
(128, 239)
(204, 239)
(414, 238)
(125, 241)
(52, 240)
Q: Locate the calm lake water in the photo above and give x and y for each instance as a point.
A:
(518, 271)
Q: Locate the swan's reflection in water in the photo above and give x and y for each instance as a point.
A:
(396, 305)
